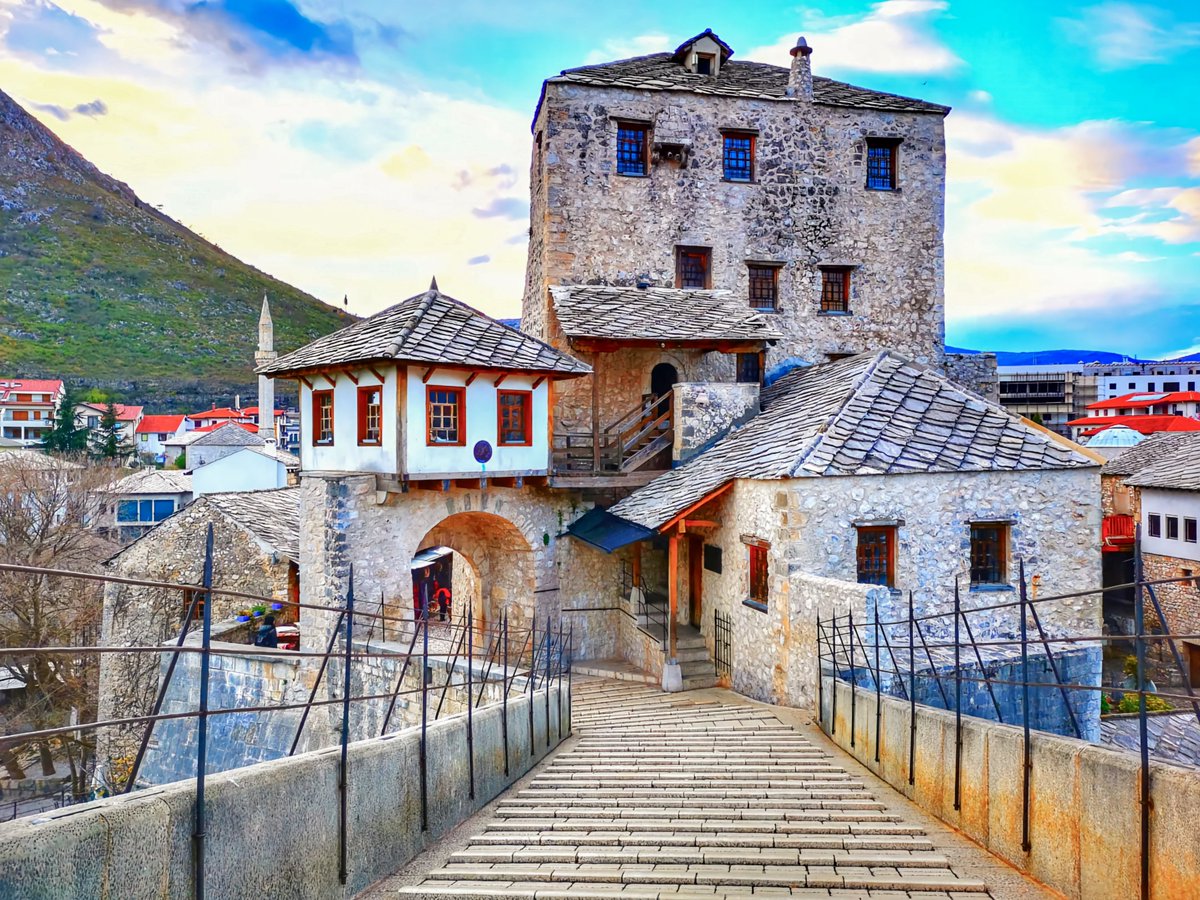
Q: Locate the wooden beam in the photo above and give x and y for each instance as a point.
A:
(636, 553)
(700, 523)
(307, 383)
(428, 374)
(500, 380)
(471, 378)
(537, 382)
(663, 529)
(504, 481)
(332, 383)
(374, 371)
(672, 589)
(352, 377)
(595, 416)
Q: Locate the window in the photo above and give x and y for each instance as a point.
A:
(370, 416)
(445, 414)
(877, 555)
(1170, 387)
(1112, 386)
(758, 572)
(1155, 525)
(764, 287)
(516, 418)
(835, 289)
(1132, 385)
(738, 156)
(692, 267)
(704, 63)
(1172, 528)
(881, 163)
(1189, 530)
(631, 149)
(989, 553)
(322, 402)
(143, 512)
(145, 438)
(1150, 386)
(749, 368)
(163, 437)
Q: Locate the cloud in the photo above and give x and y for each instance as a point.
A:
(1122, 35)
(896, 36)
(624, 48)
(51, 36)
(507, 207)
(1170, 214)
(95, 108)
(478, 260)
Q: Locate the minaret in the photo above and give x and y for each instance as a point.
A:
(266, 386)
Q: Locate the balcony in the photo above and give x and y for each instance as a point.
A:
(631, 451)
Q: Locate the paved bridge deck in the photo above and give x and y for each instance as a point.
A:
(701, 794)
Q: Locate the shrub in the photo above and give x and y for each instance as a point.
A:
(1129, 704)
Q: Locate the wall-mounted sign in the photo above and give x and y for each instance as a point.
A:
(483, 452)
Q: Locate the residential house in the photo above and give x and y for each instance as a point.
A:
(1145, 413)
(213, 442)
(245, 469)
(154, 431)
(145, 498)
(129, 418)
(27, 408)
(218, 416)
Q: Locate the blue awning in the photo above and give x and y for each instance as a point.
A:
(604, 531)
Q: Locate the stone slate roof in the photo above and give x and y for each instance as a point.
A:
(1156, 448)
(271, 516)
(429, 328)
(753, 80)
(873, 414)
(1174, 737)
(154, 481)
(228, 435)
(658, 314)
(1180, 472)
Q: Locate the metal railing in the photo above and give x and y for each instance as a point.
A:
(722, 643)
(509, 660)
(936, 653)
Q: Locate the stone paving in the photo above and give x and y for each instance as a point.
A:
(687, 795)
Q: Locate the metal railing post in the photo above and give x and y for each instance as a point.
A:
(504, 692)
(423, 759)
(546, 680)
(957, 704)
(198, 834)
(470, 689)
(558, 694)
(1139, 619)
(912, 695)
(570, 666)
(312, 694)
(531, 677)
(344, 767)
(878, 684)
(1025, 716)
(820, 675)
(853, 679)
(833, 673)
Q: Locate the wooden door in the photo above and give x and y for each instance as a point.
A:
(695, 579)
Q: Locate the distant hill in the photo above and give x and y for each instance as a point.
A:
(99, 287)
(1053, 357)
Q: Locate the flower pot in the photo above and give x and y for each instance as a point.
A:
(277, 606)
(243, 618)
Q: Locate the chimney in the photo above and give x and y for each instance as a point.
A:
(800, 78)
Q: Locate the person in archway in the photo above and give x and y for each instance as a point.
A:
(441, 596)
(266, 635)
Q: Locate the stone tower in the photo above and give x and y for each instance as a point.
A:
(266, 386)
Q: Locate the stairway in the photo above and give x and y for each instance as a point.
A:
(694, 662)
(664, 796)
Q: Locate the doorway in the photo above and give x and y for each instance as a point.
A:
(695, 549)
(662, 378)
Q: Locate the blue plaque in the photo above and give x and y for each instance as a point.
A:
(483, 452)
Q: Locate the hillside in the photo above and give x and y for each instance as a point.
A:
(1053, 357)
(97, 286)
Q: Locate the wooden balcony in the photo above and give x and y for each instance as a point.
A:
(631, 451)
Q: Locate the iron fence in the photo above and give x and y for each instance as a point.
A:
(722, 643)
(506, 657)
(923, 654)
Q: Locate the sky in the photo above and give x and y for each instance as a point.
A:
(358, 147)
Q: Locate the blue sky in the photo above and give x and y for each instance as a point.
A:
(360, 147)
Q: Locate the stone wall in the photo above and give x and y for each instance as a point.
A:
(1180, 600)
(807, 207)
(705, 412)
(1084, 813)
(976, 372)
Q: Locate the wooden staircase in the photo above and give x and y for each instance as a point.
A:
(631, 443)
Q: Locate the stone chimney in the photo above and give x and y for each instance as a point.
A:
(266, 385)
(800, 78)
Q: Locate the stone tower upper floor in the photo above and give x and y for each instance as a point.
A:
(815, 201)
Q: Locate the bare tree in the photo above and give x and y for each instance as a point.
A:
(51, 516)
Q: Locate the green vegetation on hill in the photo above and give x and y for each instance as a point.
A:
(96, 285)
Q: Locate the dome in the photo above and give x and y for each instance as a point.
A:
(1116, 436)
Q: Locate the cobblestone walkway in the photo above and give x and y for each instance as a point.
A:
(666, 796)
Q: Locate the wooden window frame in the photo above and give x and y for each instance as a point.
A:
(892, 146)
(364, 413)
(758, 572)
(1189, 530)
(825, 304)
(643, 149)
(527, 416)
(734, 134)
(680, 253)
(1003, 545)
(758, 366)
(1154, 525)
(462, 415)
(890, 560)
(1172, 523)
(316, 426)
(753, 301)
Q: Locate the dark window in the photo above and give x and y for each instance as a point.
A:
(877, 555)
(1170, 386)
(1112, 386)
(692, 267)
(835, 289)
(1191, 385)
(758, 573)
(322, 403)
(370, 416)
(1189, 530)
(712, 558)
(516, 418)
(704, 63)
(1154, 525)
(739, 156)
(749, 368)
(445, 415)
(764, 287)
(1132, 385)
(881, 164)
(631, 149)
(1150, 386)
(1172, 528)
(989, 554)
(127, 511)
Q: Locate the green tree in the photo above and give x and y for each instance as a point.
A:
(106, 442)
(67, 434)
(1036, 419)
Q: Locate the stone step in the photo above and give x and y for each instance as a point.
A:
(862, 827)
(702, 839)
(699, 856)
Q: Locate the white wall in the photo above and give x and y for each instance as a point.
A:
(344, 454)
(244, 470)
(1182, 504)
(482, 425)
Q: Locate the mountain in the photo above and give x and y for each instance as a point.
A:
(1053, 357)
(101, 288)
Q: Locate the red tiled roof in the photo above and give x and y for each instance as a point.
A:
(127, 413)
(1140, 424)
(249, 426)
(160, 424)
(253, 411)
(1146, 398)
(29, 386)
(220, 412)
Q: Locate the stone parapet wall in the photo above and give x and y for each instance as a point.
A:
(976, 372)
(705, 412)
(1084, 814)
(1180, 601)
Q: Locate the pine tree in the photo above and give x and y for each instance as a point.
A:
(106, 443)
(67, 434)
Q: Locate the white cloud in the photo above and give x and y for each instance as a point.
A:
(624, 48)
(1122, 35)
(895, 36)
